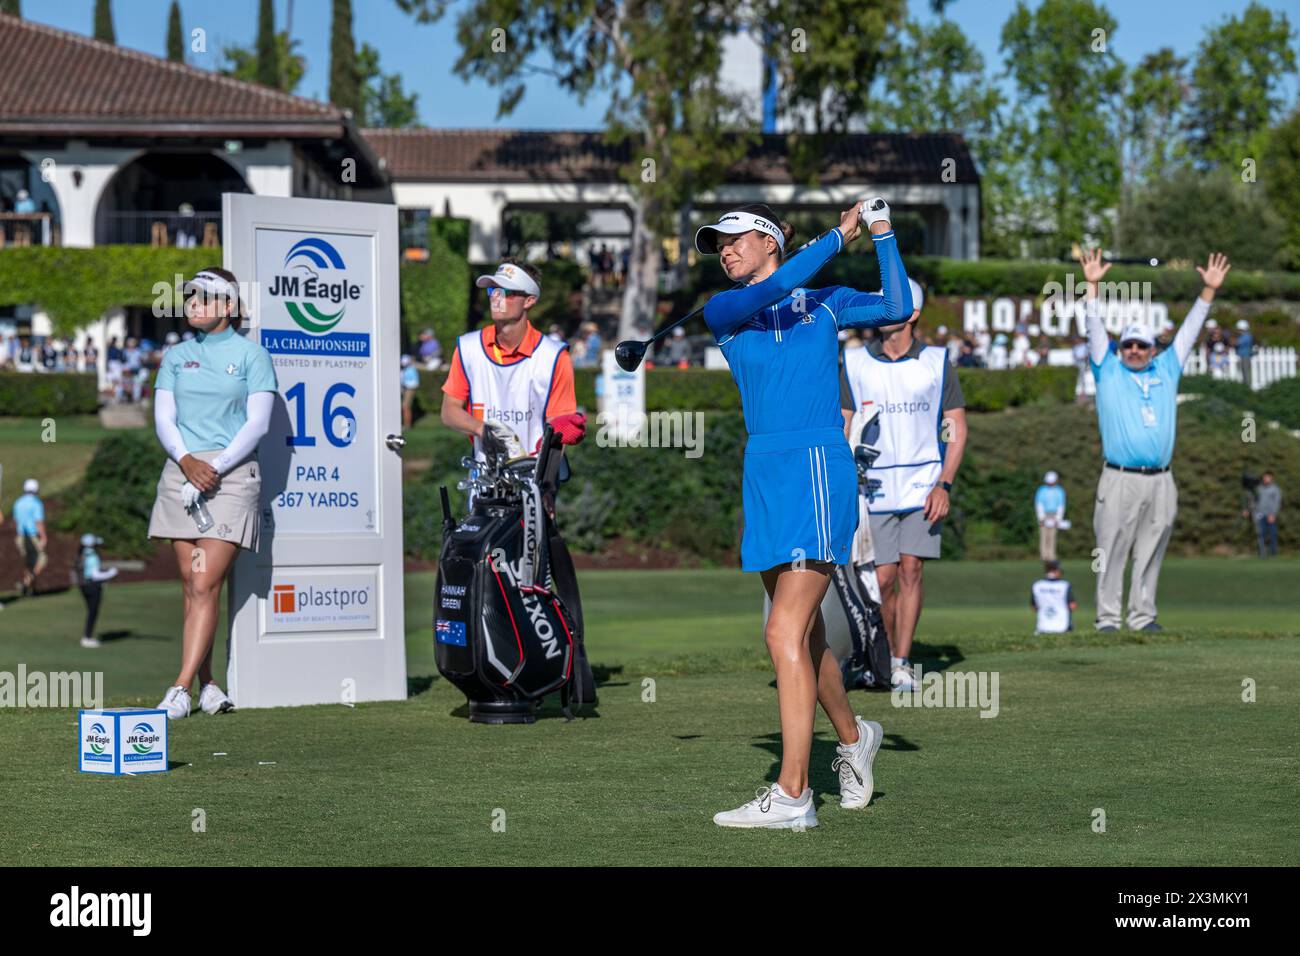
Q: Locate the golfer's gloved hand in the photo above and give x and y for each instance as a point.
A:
(500, 438)
(572, 428)
(189, 495)
(873, 209)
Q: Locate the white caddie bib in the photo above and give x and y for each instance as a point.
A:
(515, 395)
(1051, 597)
(909, 394)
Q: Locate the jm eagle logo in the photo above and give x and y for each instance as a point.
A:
(309, 298)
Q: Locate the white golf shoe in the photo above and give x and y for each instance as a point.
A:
(213, 700)
(903, 678)
(176, 703)
(853, 763)
(90, 642)
(774, 809)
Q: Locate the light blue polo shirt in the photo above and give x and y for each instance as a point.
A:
(1051, 498)
(211, 377)
(28, 509)
(410, 377)
(1138, 411)
(89, 566)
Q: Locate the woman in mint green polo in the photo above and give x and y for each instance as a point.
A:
(212, 405)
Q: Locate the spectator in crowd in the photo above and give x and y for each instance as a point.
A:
(998, 357)
(1218, 359)
(91, 580)
(1245, 349)
(26, 358)
(90, 357)
(679, 350)
(1079, 352)
(1268, 502)
(954, 345)
(625, 257)
(132, 363)
(49, 357)
(29, 535)
(1137, 410)
(69, 359)
(114, 356)
(983, 346)
(410, 387)
(24, 203)
(429, 351)
(170, 339)
(966, 357)
(1049, 506)
(1212, 333)
(593, 343)
(1053, 598)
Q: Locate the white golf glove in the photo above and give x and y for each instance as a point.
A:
(503, 436)
(874, 209)
(189, 495)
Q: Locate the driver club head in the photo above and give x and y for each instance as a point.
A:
(628, 354)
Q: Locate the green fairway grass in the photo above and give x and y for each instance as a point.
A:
(54, 453)
(1150, 730)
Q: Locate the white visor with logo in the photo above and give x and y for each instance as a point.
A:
(732, 223)
(510, 276)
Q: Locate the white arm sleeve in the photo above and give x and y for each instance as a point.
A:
(1098, 340)
(164, 423)
(104, 575)
(246, 439)
(1190, 330)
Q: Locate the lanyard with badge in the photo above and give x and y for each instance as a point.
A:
(1145, 382)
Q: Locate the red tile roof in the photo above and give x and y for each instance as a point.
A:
(475, 155)
(53, 80)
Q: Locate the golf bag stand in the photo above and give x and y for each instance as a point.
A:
(508, 626)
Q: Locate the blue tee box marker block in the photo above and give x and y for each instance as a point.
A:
(122, 740)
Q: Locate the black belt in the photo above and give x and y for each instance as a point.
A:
(1141, 470)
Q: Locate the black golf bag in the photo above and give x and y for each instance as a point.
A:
(868, 663)
(507, 616)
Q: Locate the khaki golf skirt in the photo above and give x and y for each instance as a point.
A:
(234, 507)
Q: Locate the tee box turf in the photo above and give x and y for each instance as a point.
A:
(122, 740)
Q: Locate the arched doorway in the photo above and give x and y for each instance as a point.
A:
(171, 199)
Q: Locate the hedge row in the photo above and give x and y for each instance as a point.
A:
(707, 390)
(36, 394)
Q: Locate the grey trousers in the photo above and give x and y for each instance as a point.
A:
(1134, 514)
(1047, 542)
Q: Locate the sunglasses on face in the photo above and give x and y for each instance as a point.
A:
(1134, 346)
(496, 292)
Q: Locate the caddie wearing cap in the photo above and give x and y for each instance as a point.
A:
(1137, 409)
(509, 378)
(29, 534)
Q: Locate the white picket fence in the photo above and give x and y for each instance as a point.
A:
(1267, 366)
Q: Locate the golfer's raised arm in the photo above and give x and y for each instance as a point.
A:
(725, 312)
(891, 305)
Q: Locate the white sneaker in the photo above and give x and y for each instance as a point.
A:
(176, 703)
(774, 809)
(213, 700)
(90, 642)
(903, 678)
(854, 765)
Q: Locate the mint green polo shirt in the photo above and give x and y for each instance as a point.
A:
(211, 377)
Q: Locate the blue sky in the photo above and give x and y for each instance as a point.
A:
(424, 54)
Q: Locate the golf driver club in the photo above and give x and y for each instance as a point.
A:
(629, 353)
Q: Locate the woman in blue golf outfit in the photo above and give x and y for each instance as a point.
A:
(800, 484)
(212, 405)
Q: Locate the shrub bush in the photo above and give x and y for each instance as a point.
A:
(37, 395)
(116, 495)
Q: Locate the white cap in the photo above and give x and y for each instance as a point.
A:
(171, 338)
(1211, 324)
(733, 223)
(1242, 325)
(1051, 478)
(89, 540)
(510, 276)
(941, 330)
(918, 297)
(31, 486)
(679, 332)
(406, 360)
(210, 283)
(1137, 333)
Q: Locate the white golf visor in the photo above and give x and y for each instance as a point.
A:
(509, 276)
(209, 283)
(731, 223)
(1137, 333)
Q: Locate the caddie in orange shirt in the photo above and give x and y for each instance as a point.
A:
(507, 376)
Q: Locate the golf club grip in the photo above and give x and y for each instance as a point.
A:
(739, 285)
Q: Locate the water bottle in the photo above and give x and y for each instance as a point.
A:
(202, 517)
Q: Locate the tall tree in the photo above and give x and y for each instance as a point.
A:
(268, 50)
(659, 60)
(345, 74)
(175, 34)
(243, 63)
(1150, 133)
(104, 22)
(12, 7)
(1068, 82)
(384, 101)
(1236, 84)
(1279, 171)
